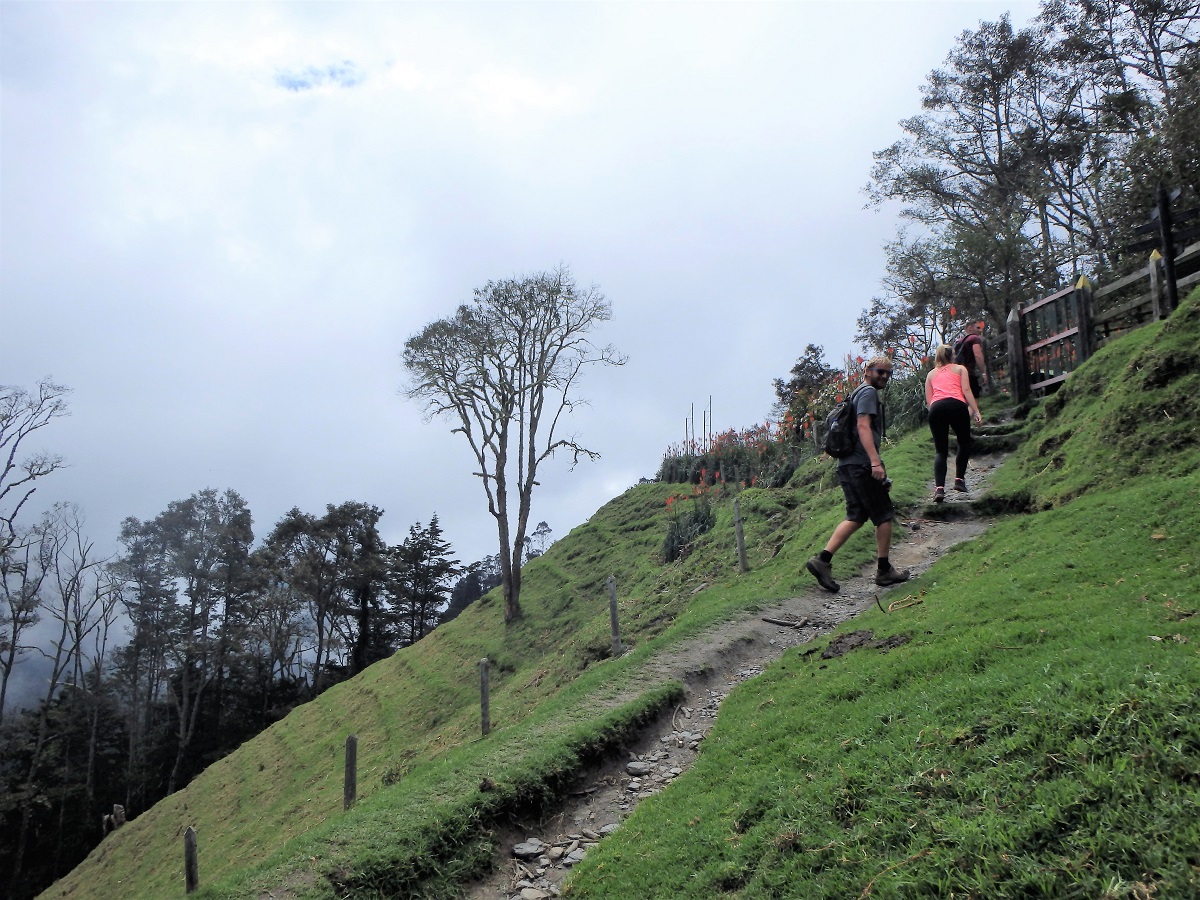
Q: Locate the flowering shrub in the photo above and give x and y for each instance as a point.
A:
(764, 455)
(685, 527)
(767, 455)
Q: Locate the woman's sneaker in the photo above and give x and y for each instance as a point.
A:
(960, 484)
(823, 572)
(891, 576)
(939, 494)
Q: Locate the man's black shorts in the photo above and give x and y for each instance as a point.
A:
(866, 497)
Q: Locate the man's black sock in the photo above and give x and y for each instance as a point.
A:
(825, 556)
(884, 564)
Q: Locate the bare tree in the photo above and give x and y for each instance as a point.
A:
(21, 577)
(504, 367)
(79, 598)
(21, 414)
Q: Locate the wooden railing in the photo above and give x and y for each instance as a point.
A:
(1049, 338)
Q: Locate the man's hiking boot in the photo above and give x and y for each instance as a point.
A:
(891, 576)
(960, 484)
(939, 494)
(823, 572)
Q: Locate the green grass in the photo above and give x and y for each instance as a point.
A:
(1037, 735)
(1032, 738)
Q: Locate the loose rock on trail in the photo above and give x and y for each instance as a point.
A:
(534, 858)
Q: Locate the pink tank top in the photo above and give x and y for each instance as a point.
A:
(946, 384)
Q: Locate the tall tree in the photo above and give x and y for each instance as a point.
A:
(1142, 41)
(504, 368)
(361, 614)
(192, 557)
(1037, 151)
(305, 562)
(1129, 63)
(336, 565)
(1181, 126)
(966, 163)
(142, 668)
(422, 569)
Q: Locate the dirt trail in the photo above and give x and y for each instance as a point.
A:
(534, 858)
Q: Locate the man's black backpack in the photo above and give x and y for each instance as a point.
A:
(962, 354)
(841, 428)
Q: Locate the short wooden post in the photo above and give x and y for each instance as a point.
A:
(741, 536)
(350, 789)
(485, 713)
(1157, 300)
(191, 866)
(613, 622)
(1016, 356)
(1084, 311)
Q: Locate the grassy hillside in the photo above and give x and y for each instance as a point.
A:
(1038, 736)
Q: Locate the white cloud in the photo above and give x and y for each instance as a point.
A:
(343, 74)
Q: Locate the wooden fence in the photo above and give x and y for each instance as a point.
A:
(1049, 338)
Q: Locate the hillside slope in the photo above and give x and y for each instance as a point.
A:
(1039, 735)
(270, 813)
(1030, 739)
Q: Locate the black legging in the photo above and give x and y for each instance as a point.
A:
(944, 415)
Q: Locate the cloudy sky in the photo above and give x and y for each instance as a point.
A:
(219, 222)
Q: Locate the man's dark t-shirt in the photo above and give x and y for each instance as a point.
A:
(966, 357)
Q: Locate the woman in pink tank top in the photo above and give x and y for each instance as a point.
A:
(951, 405)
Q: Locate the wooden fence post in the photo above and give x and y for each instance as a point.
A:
(1166, 234)
(350, 788)
(1087, 335)
(1016, 356)
(485, 713)
(191, 866)
(741, 537)
(1157, 300)
(613, 622)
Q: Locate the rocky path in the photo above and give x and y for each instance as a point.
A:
(534, 858)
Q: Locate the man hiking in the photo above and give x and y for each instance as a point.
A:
(865, 483)
(968, 352)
